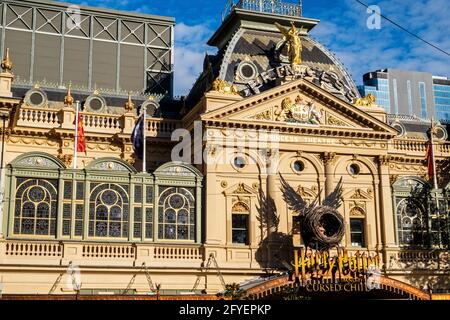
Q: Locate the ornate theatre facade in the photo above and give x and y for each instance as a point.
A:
(271, 102)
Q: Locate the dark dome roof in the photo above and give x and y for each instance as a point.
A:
(259, 47)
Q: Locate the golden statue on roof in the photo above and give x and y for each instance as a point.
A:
(293, 41)
(368, 101)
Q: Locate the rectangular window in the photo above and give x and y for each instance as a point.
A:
(79, 213)
(80, 190)
(395, 96)
(423, 100)
(67, 219)
(149, 223)
(137, 194)
(240, 228)
(410, 103)
(137, 222)
(357, 232)
(67, 190)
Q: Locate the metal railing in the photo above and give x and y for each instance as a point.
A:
(266, 6)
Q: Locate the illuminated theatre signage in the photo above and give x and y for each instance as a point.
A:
(346, 270)
(327, 80)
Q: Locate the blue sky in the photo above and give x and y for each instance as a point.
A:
(342, 29)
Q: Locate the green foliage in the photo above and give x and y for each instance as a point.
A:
(233, 292)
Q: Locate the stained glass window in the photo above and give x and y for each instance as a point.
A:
(108, 212)
(137, 222)
(79, 212)
(176, 217)
(36, 205)
(80, 191)
(149, 223)
(138, 194)
(67, 190)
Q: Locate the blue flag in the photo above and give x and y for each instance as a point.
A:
(137, 138)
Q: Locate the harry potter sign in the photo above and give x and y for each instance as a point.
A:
(322, 265)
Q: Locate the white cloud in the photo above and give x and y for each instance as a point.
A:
(363, 50)
(190, 49)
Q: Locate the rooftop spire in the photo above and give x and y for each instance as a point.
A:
(7, 64)
(68, 99)
(129, 105)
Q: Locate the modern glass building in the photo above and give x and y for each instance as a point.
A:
(379, 87)
(411, 93)
(441, 88)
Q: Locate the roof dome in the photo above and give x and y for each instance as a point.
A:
(251, 48)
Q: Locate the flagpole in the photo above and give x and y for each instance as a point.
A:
(433, 159)
(75, 148)
(144, 156)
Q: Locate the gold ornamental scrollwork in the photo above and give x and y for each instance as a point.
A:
(333, 121)
(220, 85)
(66, 159)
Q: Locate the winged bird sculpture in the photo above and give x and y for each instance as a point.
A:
(322, 227)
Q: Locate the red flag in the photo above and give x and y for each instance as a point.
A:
(81, 145)
(429, 159)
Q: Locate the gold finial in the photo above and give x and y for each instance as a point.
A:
(151, 98)
(96, 92)
(368, 101)
(68, 99)
(7, 64)
(36, 86)
(129, 105)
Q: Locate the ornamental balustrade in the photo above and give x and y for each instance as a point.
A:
(41, 252)
(39, 118)
(266, 6)
(419, 146)
(419, 260)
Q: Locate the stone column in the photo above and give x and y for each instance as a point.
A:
(4, 132)
(214, 219)
(329, 159)
(273, 159)
(386, 207)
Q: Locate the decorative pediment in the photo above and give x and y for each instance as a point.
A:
(307, 193)
(178, 169)
(240, 189)
(110, 164)
(359, 194)
(38, 160)
(298, 103)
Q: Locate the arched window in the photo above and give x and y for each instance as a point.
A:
(35, 207)
(239, 220)
(176, 215)
(108, 211)
(411, 222)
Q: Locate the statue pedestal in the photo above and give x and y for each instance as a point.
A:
(6, 79)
